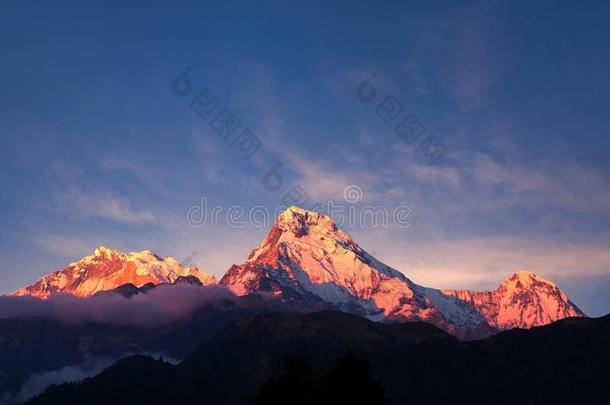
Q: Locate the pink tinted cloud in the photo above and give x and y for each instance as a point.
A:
(157, 307)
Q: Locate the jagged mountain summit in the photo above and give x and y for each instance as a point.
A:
(309, 263)
(306, 258)
(523, 300)
(107, 269)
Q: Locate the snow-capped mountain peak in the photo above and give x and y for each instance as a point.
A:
(306, 255)
(104, 252)
(297, 231)
(107, 269)
(522, 300)
(308, 261)
(524, 279)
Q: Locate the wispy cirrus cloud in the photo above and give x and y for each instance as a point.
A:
(113, 163)
(65, 245)
(483, 262)
(554, 182)
(442, 175)
(322, 182)
(464, 69)
(104, 205)
(494, 182)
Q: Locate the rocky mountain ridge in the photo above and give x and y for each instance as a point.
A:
(308, 262)
(107, 269)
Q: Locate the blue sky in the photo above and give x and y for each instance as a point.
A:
(98, 150)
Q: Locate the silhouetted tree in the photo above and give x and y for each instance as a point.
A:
(348, 382)
(295, 385)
